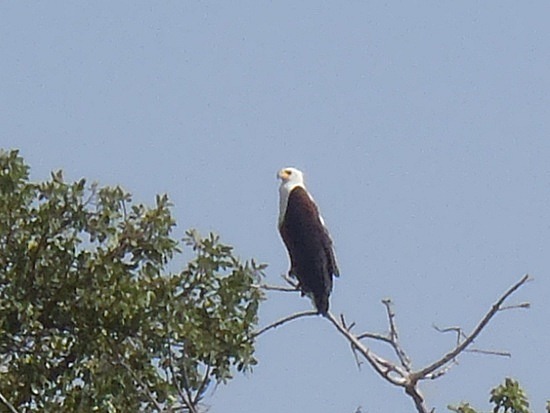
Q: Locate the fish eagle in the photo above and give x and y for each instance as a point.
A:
(306, 238)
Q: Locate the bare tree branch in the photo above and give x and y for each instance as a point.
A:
(412, 390)
(460, 335)
(141, 384)
(268, 287)
(291, 281)
(391, 372)
(489, 352)
(441, 372)
(292, 286)
(118, 358)
(374, 336)
(204, 382)
(188, 400)
(285, 320)
(353, 349)
(6, 403)
(175, 382)
(422, 373)
(394, 337)
(515, 306)
(400, 373)
(457, 330)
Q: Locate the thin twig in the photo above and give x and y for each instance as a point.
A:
(171, 368)
(275, 288)
(515, 306)
(374, 336)
(285, 320)
(188, 400)
(394, 337)
(204, 382)
(383, 367)
(453, 329)
(7, 404)
(460, 335)
(457, 330)
(424, 372)
(442, 371)
(118, 358)
(353, 349)
(140, 382)
(489, 352)
(291, 281)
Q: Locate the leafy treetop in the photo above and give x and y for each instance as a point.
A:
(90, 317)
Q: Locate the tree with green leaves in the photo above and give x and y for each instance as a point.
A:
(507, 397)
(91, 319)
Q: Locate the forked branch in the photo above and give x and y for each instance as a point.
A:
(400, 373)
(424, 373)
(390, 371)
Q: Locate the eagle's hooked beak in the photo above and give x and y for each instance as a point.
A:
(283, 174)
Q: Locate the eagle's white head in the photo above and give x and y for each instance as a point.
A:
(290, 179)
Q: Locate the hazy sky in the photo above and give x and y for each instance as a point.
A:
(423, 129)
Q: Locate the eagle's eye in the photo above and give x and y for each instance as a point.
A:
(288, 172)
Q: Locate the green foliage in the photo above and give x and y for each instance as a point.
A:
(462, 408)
(508, 397)
(90, 318)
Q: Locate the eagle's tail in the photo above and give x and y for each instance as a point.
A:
(321, 303)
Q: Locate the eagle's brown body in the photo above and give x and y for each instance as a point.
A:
(309, 246)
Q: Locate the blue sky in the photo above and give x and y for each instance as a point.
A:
(423, 129)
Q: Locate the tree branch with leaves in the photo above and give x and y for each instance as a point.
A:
(91, 317)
